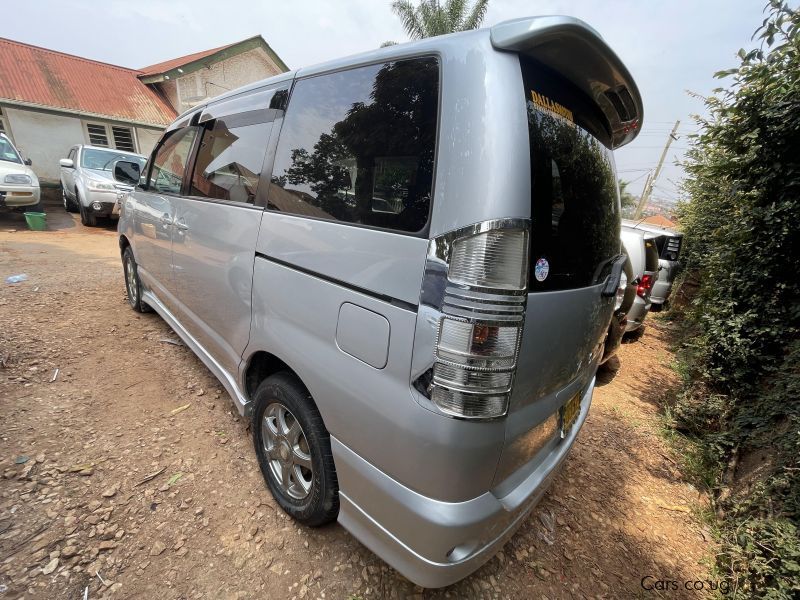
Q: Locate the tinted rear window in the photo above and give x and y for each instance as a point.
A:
(357, 146)
(574, 200)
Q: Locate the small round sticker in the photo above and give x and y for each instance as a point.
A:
(542, 269)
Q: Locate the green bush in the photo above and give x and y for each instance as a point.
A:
(741, 353)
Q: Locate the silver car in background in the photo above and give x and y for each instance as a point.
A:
(402, 266)
(668, 244)
(643, 257)
(88, 185)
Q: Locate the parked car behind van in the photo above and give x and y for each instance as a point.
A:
(88, 185)
(643, 256)
(19, 186)
(668, 244)
(402, 266)
(626, 294)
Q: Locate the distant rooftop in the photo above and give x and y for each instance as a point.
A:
(203, 57)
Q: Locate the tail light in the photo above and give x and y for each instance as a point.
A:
(645, 284)
(475, 290)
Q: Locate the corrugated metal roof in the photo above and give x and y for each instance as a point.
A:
(168, 65)
(42, 77)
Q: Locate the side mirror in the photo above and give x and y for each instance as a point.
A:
(127, 172)
(67, 163)
(28, 162)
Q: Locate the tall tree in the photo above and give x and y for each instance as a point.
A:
(430, 17)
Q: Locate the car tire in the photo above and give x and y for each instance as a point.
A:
(69, 205)
(289, 437)
(34, 207)
(133, 285)
(88, 218)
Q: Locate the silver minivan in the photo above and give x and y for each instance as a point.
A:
(401, 266)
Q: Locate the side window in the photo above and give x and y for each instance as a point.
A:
(169, 163)
(230, 159)
(358, 146)
(71, 154)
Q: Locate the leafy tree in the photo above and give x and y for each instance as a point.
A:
(430, 18)
(742, 348)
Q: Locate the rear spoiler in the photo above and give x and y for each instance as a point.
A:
(578, 53)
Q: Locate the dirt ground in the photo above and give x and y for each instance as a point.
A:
(94, 399)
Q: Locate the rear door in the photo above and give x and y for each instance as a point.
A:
(575, 241)
(155, 212)
(217, 222)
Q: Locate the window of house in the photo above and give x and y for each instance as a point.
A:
(358, 146)
(170, 160)
(97, 135)
(230, 159)
(111, 136)
(123, 138)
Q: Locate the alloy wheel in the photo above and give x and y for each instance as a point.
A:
(130, 280)
(287, 449)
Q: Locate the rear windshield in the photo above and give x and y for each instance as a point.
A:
(574, 200)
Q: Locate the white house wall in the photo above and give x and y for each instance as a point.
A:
(46, 138)
(147, 139)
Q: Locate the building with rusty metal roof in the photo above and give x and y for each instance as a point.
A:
(51, 101)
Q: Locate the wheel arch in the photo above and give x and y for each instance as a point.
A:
(124, 242)
(262, 364)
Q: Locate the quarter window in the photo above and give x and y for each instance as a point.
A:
(358, 146)
(229, 160)
(170, 160)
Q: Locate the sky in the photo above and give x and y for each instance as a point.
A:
(671, 47)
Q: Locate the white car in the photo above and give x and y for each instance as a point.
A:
(19, 186)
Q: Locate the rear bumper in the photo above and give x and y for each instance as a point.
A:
(436, 543)
(660, 292)
(637, 313)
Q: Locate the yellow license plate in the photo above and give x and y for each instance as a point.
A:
(569, 414)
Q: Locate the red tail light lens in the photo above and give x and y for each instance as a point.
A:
(644, 285)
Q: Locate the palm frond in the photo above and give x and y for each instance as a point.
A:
(409, 18)
(455, 10)
(476, 15)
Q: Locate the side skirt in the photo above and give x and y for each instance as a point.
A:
(243, 405)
